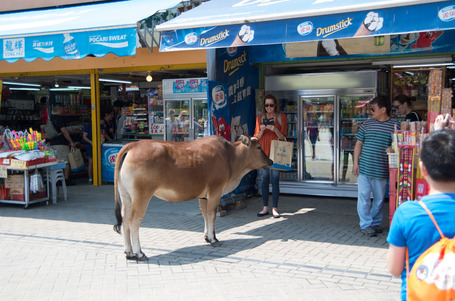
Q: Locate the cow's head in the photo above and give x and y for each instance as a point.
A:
(256, 157)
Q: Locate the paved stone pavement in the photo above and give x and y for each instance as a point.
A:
(69, 251)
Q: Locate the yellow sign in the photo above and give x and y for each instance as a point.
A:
(18, 164)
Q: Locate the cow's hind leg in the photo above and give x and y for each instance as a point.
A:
(203, 206)
(138, 209)
(212, 204)
(126, 209)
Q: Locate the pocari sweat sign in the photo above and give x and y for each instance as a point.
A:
(75, 45)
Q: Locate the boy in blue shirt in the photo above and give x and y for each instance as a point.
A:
(411, 226)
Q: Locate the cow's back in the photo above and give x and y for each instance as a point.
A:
(177, 171)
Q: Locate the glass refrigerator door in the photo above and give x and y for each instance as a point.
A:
(176, 122)
(200, 118)
(353, 111)
(318, 151)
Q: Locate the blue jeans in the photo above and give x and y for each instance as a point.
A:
(275, 186)
(370, 214)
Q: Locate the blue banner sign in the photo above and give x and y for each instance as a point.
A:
(76, 45)
(362, 23)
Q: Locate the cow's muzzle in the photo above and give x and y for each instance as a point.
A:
(269, 162)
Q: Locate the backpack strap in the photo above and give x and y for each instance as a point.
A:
(432, 218)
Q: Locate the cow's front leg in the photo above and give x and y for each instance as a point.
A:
(203, 206)
(212, 205)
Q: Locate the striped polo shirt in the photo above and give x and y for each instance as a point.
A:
(376, 137)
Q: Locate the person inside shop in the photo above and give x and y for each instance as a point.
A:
(270, 125)
(87, 138)
(411, 228)
(313, 132)
(404, 107)
(108, 124)
(370, 167)
(120, 127)
(61, 144)
(118, 104)
(171, 123)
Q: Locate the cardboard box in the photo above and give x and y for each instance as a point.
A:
(14, 181)
(16, 190)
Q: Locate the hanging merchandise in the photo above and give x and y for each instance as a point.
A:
(36, 182)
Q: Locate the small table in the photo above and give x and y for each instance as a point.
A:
(26, 170)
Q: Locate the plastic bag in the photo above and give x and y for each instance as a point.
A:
(36, 182)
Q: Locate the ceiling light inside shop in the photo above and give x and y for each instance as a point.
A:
(115, 81)
(63, 89)
(24, 89)
(79, 87)
(149, 77)
(423, 65)
(56, 84)
(21, 84)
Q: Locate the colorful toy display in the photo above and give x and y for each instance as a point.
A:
(25, 140)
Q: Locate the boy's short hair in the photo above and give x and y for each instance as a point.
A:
(382, 102)
(438, 155)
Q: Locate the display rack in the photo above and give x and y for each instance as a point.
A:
(290, 111)
(26, 170)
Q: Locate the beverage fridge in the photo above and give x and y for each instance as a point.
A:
(185, 109)
(323, 112)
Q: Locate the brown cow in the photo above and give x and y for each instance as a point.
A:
(206, 168)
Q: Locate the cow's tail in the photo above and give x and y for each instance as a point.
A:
(118, 165)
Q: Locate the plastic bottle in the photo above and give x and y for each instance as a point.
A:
(70, 46)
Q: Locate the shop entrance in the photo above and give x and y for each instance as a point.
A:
(323, 124)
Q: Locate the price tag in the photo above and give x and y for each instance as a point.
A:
(18, 164)
(3, 171)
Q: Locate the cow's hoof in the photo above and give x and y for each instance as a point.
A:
(215, 244)
(142, 258)
(130, 255)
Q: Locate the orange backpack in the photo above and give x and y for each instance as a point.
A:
(433, 275)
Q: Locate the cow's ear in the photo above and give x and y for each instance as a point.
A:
(245, 140)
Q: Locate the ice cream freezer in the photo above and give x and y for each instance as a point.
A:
(109, 151)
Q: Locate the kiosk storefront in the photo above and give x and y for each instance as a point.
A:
(88, 41)
(324, 60)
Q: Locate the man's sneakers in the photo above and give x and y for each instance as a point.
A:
(368, 232)
(378, 229)
(372, 231)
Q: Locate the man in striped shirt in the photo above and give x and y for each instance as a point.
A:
(371, 164)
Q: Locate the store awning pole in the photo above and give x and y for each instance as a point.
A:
(96, 135)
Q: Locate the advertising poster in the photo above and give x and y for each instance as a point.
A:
(314, 25)
(241, 80)
(402, 44)
(219, 108)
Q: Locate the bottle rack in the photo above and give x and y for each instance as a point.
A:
(289, 109)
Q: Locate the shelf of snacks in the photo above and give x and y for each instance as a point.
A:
(136, 121)
(415, 84)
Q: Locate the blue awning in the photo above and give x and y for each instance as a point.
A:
(228, 23)
(76, 31)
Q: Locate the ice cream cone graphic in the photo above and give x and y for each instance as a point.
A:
(371, 23)
(245, 35)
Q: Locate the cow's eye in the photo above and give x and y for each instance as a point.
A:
(259, 147)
